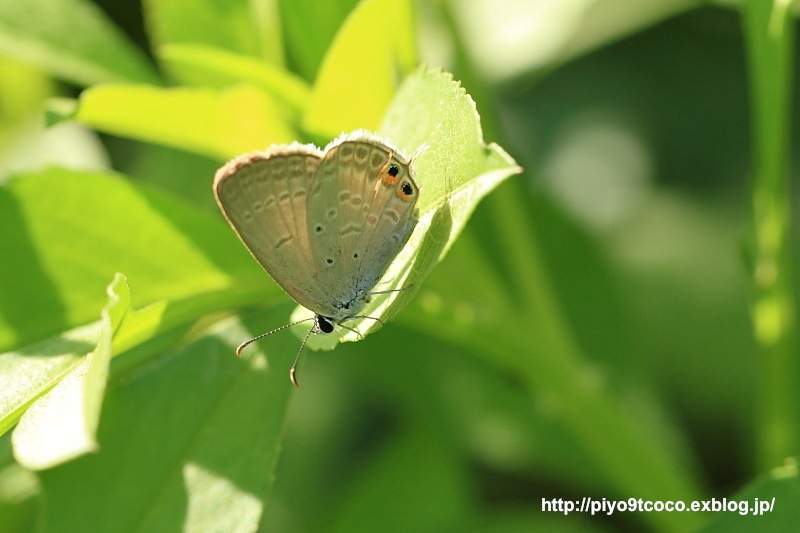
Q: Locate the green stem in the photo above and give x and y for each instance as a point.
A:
(769, 31)
(634, 462)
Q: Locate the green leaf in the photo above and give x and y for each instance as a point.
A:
(434, 485)
(61, 364)
(59, 110)
(206, 66)
(80, 228)
(19, 490)
(309, 27)
(62, 424)
(250, 27)
(70, 232)
(217, 123)
(768, 504)
(434, 117)
(22, 90)
(189, 444)
(71, 39)
(31, 371)
(372, 51)
(433, 112)
(454, 168)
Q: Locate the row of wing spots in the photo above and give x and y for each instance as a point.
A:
(387, 234)
(383, 217)
(351, 160)
(290, 189)
(366, 202)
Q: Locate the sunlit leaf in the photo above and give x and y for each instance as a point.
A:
(217, 123)
(309, 27)
(189, 444)
(207, 66)
(250, 27)
(372, 51)
(72, 39)
(72, 231)
(434, 118)
(62, 423)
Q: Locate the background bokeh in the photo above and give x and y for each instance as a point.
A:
(618, 261)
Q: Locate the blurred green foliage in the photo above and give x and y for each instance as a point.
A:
(588, 334)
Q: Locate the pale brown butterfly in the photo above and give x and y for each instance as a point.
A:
(325, 224)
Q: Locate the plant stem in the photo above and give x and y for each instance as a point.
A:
(769, 33)
(634, 462)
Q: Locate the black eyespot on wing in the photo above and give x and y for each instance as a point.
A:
(393, 170)
(408, 190)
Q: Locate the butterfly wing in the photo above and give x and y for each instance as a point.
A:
(264, 197)
(392, 215)
(361, 213)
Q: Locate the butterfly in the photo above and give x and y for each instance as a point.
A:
(324, 224)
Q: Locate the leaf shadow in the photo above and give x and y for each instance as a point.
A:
(34, 309)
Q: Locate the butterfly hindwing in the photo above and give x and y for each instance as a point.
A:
(361, 213)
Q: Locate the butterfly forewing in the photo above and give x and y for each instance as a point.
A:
(264, 196)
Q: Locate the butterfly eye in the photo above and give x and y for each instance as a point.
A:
(324, 324)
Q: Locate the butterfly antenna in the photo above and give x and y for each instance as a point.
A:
(373, 293)
(360, 336)
(376, 319)
(254, 339)
(293, 370)
(422, 148)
